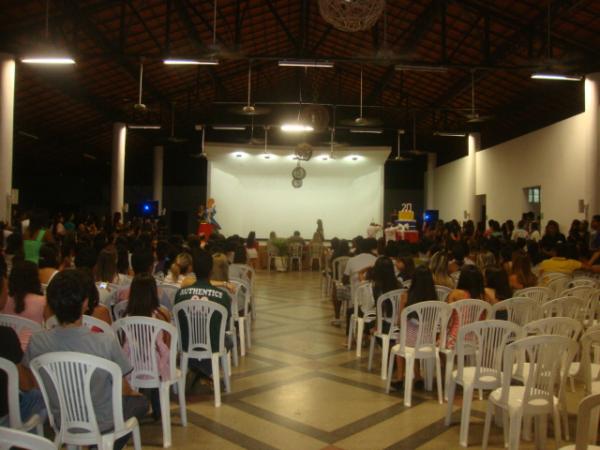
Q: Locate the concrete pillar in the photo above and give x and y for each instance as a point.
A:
(7, 110)
(592, 98)
(430, 180)
(117, 181)
(157, 179)
(474, 143)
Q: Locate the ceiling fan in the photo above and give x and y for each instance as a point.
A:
(414, 150)
(362, 121)
(249, 109)
(399, 157)
(473, 116)
(140, 106)
(216, 50)
(202, 154)
(172, 138)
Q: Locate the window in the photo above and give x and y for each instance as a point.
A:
(533, 194)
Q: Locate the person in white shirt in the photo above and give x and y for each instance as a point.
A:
(373, 230)
(535, 235)
(520, 232)
(390, 233)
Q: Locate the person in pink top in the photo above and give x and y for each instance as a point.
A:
(25, 297)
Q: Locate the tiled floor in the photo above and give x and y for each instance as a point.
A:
(298, 388)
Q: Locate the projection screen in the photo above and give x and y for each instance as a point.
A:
(254, 192)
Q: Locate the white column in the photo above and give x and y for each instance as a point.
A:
(592, 98)
(7, 109)
(430, 180)
(473, 142)
(157, 179)
(117, 181)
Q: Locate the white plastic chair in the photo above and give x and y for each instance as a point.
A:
(547, 356)
(430, 316)
(69, 376)
(584, 292)
(108, 292)
(483, 344)
(170, 291)
(22, 326)
(119, 310)
(295, 254)
(442, 292)
(590, 360)
(315, 251)
(244, 320)
(587, 429)
(363, 295)
(339, 267)
(556, 281)
(91, 322)
(573, 307)
(248, 274)
(520, 310)
(466, 312)
(271, 255)
(583, 281)
(540, 294)
(393, 299)
(198, 315)
(141, 335)
(10, 438)
(12, 398)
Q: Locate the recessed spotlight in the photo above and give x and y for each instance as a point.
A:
(353, 158)
(239, 154)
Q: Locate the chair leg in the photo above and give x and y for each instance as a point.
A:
(505, 426)
(137, 441)
(226, 373)
(450, 394)
(216, 378)
(165, 413)
(438, 377)
(428, 369)
(184, 368)
(390, 371)
(39, 429)
(385, 351)
(360, 331)
(181, 398)
(449, 369)
(514, 434)
(556, 424)
(487, 425)
(465, 415)
(527, 428)
(541, 425)
(371, 350)
(242, 327)
(351, 325)
(408, 381)
(248, 330)
(234, 350)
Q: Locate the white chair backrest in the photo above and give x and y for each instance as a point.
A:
(21, 439)
(540, 294)
(573, 307)
(583, 281)
(91, 322)
(65, 378)
(557, 326)
(590, 355)
(465, 312)
(520, 310)
(550, 276)
(170, 291)
(295, 250)
(585, 411)
(546, 356)
(197, 315)
(243, 296)
(430, 315)
(583, 292)
(19, 324)
(141, 335)
(442, 292)
(363, 298)
(339, 266)
(558, 284)
(243, 271)
(316, 249)
(119, 310)
(108, 292)
(386, 308)
(12, 392)
(484, 343)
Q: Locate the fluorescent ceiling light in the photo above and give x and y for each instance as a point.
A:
(48, 60)
(366, 130)
(190, 62)
(352, 158)
(449, 134)
(228, 127)
(269, 156)
(323, 158)
(296, 127)
(143, 127)
(555, 76)
(305, 63)
(419, 68)
(239, 154)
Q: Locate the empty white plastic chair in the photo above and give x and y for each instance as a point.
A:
(10, 438)
(584, 292)
(363, 295)
(141, 335)
(315, 252)
(482, 343)
(241, 313)
(519, 310)
(430, 315)
(197, 316)
(547, 356)
(442, 292)
(465, 312)
(556, 281)
(69, 376)
(587, 429)
(295, 254)
(385, 328)
(248, 274)
(12, 400)
(540, 294)
(590, 360)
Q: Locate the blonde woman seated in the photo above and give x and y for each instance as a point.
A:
(181, 271)
(438, 264)
(220, 273)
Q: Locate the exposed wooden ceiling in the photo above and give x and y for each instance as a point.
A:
(497, 44)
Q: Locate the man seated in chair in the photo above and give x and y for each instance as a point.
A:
(66, 298)
(202, 289)
(296, 239)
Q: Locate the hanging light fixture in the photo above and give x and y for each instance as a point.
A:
(45, 52)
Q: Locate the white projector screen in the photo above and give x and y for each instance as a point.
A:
(253, 193)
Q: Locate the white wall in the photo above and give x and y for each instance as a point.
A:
(561, 158)
(256, 194)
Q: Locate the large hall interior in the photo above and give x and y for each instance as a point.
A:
(309, 224)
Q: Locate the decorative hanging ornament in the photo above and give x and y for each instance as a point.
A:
(297, 183)
(351, 15)
(299, 172)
